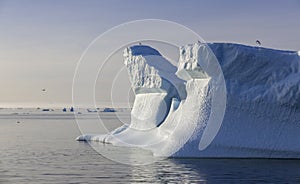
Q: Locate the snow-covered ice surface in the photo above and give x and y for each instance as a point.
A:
(173, 108)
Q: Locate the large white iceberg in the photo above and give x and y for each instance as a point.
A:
(180, 111)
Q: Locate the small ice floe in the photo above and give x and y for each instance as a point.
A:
(109, 110)
(92, 110)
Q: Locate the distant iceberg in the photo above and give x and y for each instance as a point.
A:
(107, 109)
(175, 112)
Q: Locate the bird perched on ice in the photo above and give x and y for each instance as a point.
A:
(258, 42)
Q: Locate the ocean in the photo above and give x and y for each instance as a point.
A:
(41, 148)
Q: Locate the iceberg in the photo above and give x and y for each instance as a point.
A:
(243, 105)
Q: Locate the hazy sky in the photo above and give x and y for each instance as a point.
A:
(41, 40)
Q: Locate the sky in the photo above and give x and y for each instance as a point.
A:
(41, 41)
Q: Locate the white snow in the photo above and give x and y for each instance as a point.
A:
(178, 110)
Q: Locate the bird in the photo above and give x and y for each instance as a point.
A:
(140, 43)
(258, 42)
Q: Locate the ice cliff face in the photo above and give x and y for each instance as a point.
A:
(178, 108)
(189, 65)
(260, 74)
(149, 71)
(141, 74)
(155, 84)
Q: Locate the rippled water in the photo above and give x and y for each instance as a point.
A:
(43, 150)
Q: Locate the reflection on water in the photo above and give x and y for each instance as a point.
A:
(44, 151)
(244, 170)
(125, 155)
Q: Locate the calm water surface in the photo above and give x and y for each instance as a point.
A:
(43, 150)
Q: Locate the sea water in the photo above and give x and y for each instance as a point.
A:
(42, 149)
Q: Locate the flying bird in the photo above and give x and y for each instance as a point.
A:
(258, 42)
